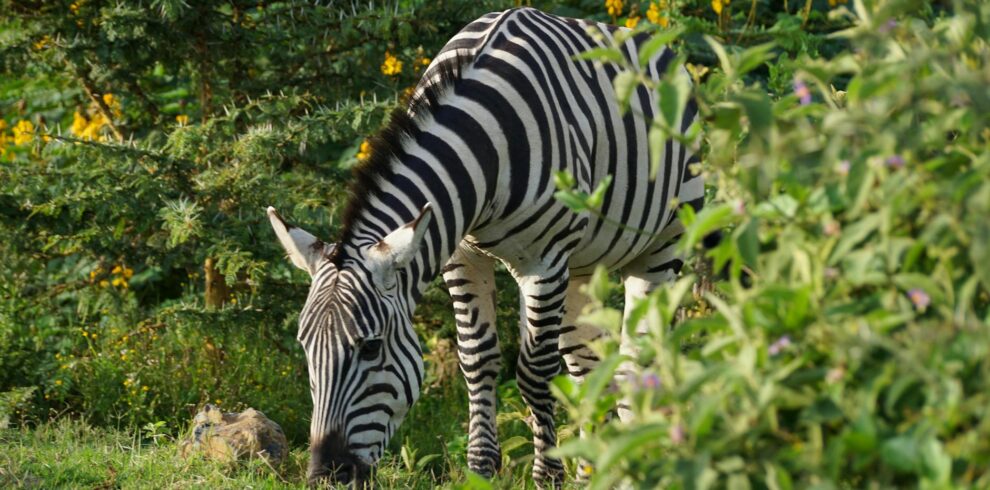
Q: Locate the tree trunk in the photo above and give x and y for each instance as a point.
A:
(217, 291)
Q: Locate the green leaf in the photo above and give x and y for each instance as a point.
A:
(602, 54)
(936, 463)
(563, 180)
(513, 443)
(853, 235)
(901, 453)
(754, 56)
(598, 196)
(630, 445)
(573, 200)
(720, 53)
(657, 138)
(475, 481)
(673, 93)
(625, 84)
(657, 41)
(758, 110)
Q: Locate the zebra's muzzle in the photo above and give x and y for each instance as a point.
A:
(331, 462)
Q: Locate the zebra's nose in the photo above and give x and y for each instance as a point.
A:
(331, 462)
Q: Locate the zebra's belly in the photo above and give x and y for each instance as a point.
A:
(582, 239)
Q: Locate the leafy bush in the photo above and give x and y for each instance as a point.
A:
(848, 344)
(139, 146)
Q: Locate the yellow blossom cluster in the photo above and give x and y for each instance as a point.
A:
(718, 5)
(364, 152)
(657, 13)
(614, 7)
(119, 276)
(182, 119)
(89, 125)
(632, 21)
(23, 132)
(392, 66)
(43, 43)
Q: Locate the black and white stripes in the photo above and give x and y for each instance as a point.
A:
(463, 177)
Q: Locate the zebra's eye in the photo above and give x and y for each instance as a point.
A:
(370, 349)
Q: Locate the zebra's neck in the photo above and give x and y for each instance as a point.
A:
(426, 166)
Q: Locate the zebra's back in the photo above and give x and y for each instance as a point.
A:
(541, 111)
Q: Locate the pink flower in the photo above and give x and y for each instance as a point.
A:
(676, 434)
(843, 168)
(920, 299)
(779, 346)
(895, 161)
(739, 207)
(802, 91)
(831, 228)
(650, 381)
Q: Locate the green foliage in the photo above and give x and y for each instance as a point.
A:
(847, 345)
(140, 144)
(139, 141)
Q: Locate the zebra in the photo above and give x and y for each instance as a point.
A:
(462, 177)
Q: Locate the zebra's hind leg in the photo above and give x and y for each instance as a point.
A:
(660, 265)
(542, 295)
(579, 359)
(471, 281)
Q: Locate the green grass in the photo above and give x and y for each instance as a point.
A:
(69, 453)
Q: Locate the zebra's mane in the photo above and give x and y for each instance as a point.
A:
(387, 143)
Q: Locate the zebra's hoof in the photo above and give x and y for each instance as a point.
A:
(549, 474)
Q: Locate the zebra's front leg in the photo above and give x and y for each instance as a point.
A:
(471, 281)
(543, 297)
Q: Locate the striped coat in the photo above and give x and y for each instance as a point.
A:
(460, 178)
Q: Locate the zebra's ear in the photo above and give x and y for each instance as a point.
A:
(304, 250)
(400, 246)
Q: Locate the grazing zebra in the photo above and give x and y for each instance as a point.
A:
(463, 177)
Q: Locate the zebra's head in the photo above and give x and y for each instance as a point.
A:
(364, 358)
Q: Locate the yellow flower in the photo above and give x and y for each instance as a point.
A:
(43, 42)
(116, 270)
(614, 7)
(79, 124)
(182, 119)
(3, 125)
(119, 282)
(127, 382)
(835, 3)
(144, 388)
(718, 4)
(424, 61)
(657, 13)
(217, 400)
(104, 283)
(23, 132)
(128, 272)
(58, 382)
(391, 66)
(112, 103)
(632, 21)
(365, 151)
(74, 8)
